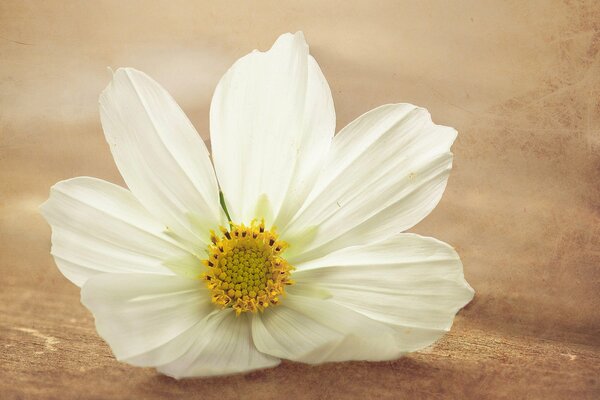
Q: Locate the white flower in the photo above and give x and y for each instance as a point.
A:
(336, 280)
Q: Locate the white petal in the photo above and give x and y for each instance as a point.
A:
(272, 121)
(314, 331)
(223, 345)
(411, 282)
(100, 227)
(139, 313)
(160, 155)
(385, 172)
(169, 351)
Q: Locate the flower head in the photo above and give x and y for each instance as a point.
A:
(246, 270)
(289, 248)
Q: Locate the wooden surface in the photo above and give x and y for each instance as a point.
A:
(65, 359)
(519, 80)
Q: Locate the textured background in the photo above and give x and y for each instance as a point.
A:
(519, 80)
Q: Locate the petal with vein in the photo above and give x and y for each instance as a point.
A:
(140, 314)
(272, 121)
(314, 331)
(414, 283)
(223, 345)
(385, 172)
(99, 227)
(160, 155)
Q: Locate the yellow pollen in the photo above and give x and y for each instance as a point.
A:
(245, 270)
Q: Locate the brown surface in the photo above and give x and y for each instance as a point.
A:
(519, 80)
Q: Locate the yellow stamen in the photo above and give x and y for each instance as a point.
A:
(245, 270)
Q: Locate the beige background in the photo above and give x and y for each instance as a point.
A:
(520, 80)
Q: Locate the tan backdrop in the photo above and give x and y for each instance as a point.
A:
(519, 80)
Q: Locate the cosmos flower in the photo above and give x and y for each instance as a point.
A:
(289, 245)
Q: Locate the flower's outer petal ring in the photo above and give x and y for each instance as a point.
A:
(272, 121)
(413, 283)
(140, 314)
(314, 331)
(160, 155)
(99, 227)
(385, 172)
(223, 345)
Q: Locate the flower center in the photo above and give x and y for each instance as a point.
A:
(245, 270)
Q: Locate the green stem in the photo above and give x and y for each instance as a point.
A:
(223, 206)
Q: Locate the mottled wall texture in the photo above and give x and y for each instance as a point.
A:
(520, 80)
